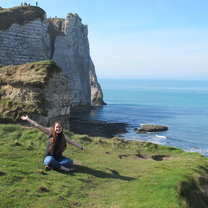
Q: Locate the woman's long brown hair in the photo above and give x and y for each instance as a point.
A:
(53, 138)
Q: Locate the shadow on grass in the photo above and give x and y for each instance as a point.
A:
(194, 189)
(98, 173)
(2, 173)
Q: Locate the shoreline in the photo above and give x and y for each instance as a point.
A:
(97, 128)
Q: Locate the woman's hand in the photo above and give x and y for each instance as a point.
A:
(35, 124)
(24, 118)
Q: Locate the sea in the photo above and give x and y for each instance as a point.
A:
(181, 105)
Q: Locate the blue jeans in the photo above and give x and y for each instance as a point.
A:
(56, 163)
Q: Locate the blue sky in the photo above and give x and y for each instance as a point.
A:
(140, 39)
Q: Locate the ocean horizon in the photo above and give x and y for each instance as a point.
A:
(181, 105)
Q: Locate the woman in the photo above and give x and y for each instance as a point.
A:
(57, 140)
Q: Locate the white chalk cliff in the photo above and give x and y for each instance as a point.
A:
(71, 52)
(64, 41)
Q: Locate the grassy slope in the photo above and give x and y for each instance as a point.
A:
(109, 173)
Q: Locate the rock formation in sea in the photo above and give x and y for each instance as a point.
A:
(145, 128)
(26, 35)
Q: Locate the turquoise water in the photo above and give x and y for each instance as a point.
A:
(180, 105)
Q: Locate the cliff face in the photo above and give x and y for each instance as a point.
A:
(23, 35)
(24, 43)
(71, 53)
(35, 38)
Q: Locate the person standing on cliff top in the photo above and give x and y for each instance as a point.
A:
(56, 145)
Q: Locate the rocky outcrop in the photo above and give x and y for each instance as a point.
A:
(38, 89)
(150, 128)
(97, 128)
(28, 38)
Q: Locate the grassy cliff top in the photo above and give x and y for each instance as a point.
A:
(35, 73)
(20, 81)
(20, 15)
(110, 173)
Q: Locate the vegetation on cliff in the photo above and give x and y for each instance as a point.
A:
(110, 173)
(19, 15)
(34, 74)
(21, 89)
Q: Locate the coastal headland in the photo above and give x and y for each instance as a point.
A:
(47, 79)
(34, 46)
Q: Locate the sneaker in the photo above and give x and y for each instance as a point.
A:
(47, 168)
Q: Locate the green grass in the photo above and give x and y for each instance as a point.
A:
(109, 173)
(34, 74)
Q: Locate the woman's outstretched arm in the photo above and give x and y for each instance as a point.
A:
(68, 140)
(34, 123)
